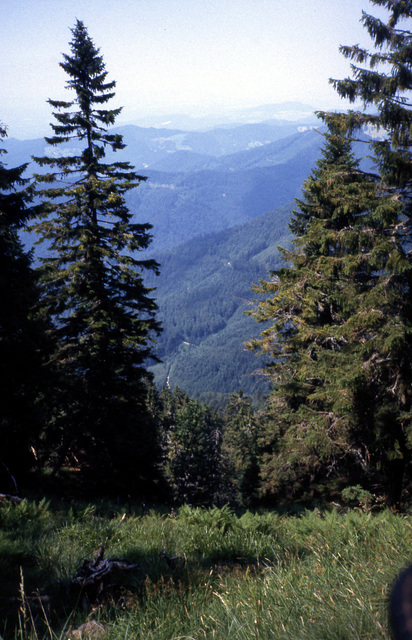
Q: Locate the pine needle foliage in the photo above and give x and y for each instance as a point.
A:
(240, 449)
(191, 434)
(334, 310)
(382, 80)
(342, 332)
(92, 281)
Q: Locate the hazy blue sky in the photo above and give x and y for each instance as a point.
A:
(178, 55)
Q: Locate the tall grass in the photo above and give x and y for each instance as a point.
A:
(316, 576)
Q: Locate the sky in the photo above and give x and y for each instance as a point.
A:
(195, 57)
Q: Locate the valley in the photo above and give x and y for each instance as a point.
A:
(219, 200)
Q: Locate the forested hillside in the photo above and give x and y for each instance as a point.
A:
(207, 195)
(212, 236)
(196, 184)
(203, 291)
(199, 195)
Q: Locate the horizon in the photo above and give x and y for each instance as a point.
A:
(284, 112)
(179, 56)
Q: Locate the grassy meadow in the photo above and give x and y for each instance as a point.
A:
(317, 575)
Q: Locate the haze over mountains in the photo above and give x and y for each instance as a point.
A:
(210, 179)
(188, 193)
(219, 200)
(268, 113)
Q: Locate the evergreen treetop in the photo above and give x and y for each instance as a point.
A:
(382, 79)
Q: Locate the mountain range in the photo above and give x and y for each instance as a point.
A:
(279, 113)
(188, 194)
(219, 200)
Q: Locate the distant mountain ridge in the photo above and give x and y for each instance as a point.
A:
(219, 201)
(197, 194)
(279, 113)
(145, 146)
(202, 182)
(253, 151)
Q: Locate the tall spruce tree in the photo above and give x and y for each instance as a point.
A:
(93, 285)
(330, 309)
(377, 330)
(22, 334)
(382, 80)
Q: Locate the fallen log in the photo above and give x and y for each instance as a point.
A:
(100, 575)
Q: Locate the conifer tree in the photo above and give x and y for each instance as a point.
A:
(240, 450)
(327, 308)
(382, 80)
(191, 438)
(93, 283)
(22, 334)
(364, 386)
